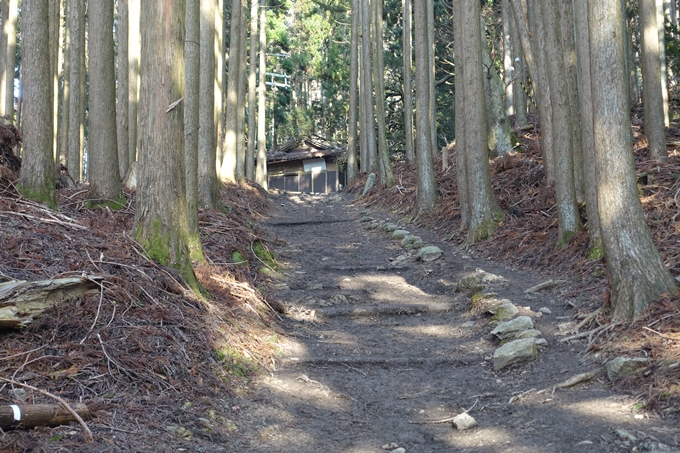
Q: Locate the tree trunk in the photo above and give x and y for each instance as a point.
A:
(66, 91)
(652, 98)
(660, 20)
(103, 147)
(508, 64)
(484, 213)
(4, 18)
(122, 95)
(519, 74)
(161, 214)
(563, 161)
(352, 168)
(261, 170)
(134, 45)
(426, 186)
(368, 127)
(461, 165)
(228, 171)
(499, 130)
(208, 188)
(37, 168)
(408, 77)
(220, 86)
(54, 27)
(586, 128)
(637, 274)
(241, 101)
(192, 69)
(252, 88)
(386, 176)
(433, 76)
(76, 81)
(33, 415)
(7, 80)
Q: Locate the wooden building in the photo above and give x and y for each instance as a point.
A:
(306, 166)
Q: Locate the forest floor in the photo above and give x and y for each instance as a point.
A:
(345, 342)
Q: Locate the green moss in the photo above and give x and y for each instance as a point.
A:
(264, 255)
(195, 249)
(115, 205)
(42, 195)
(566, 237)
(235, 363)
(485, 229)
(238, 258)
(595, 252)
(469, 285)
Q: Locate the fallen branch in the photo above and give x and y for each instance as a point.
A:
(586, 334)
(583, 377)
(545, 285)
(39, 413)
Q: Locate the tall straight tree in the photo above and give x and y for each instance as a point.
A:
(54, 27)
(66, 90)
(161, 214)
(103, 172)
(426, 186)
(241, 102)
(459, 111)
(37, 169)
(229, 146)
(252, 91)
(407, 39)
(563, 127)
(10, 41)
(352, 133)
(208, 186)
(637, 274)
(433, 78)
(192, 69)
(134, 45)
(386, 176)
(483, 212)
(76, 122)
(122, 94)
(652, 98)
(261, 169)
(368, 126)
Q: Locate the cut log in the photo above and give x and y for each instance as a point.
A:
(32, 415)
(22, 301)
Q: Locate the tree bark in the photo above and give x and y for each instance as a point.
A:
(433, 94)
(228, 171)
(368, 127)
(519, 74)
(461, 165)
(103, 172)
(252, 89)
(586, 128)
(66, 91)
(426, 186)
(208, 187)
(122, 95)
(161, 214)
(386, 176)
(37, 167)
(76, 81)
(54, 27)
(134, 45)
(192, 69)
(408, 78)
(484, 213)
(652, 99)
(352, 135)
(508, 64)
(261, 170)
(7, 81)
(241, 101)
(33, 415)
(637, 274)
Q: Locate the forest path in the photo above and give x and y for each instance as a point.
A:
(380, 352)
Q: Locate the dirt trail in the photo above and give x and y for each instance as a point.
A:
(378, 353)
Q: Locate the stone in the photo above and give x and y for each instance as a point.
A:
(517, 351)
(365, 212)
(400, 234)
(510, 329)
(390, 227)
(316, 287)
(468, 325)
(410, 239)
(530, 333)
(621, 367)
(370, 181)
(366, 219)
(374, 224)
(469, 285)
(399, 450)
(400, 260)
(541, 342)
(491, 278)
(464, 421)
(503, 310)
(429, 253)
(544, 310)
(391, 446)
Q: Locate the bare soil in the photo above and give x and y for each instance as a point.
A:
(376, 354)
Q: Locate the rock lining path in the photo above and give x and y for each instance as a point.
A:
(384, 356)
